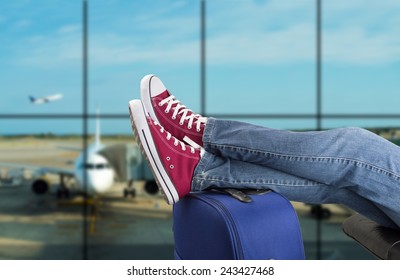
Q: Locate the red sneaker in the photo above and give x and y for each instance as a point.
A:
(172, 161)
(170, 112)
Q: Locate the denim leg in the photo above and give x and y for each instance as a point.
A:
(217, 172)
(350, 158)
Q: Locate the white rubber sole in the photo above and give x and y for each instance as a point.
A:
(144, 138)
(147, 89)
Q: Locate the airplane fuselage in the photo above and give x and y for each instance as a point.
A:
(46, 99)
(96, 175)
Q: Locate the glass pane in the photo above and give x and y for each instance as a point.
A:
(368, 123)
(361, 57)
(40, 54)
(260, 57)
(324, 238)
(130, 39)
(37, 219)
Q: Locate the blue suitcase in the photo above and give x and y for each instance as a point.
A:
(212, 225)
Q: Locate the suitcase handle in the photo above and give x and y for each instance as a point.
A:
(243, 195)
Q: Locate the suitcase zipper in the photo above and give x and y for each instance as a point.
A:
(222, 209)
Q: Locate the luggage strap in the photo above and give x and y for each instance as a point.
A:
(243, 195)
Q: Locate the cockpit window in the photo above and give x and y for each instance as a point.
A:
(96, 166)
(88, 166)
(102, 166)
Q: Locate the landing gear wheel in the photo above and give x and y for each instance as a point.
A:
(320, 212)
(129, 192)
(62, 193)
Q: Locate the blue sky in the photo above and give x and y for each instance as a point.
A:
(260, 58)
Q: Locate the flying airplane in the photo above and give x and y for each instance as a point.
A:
(104, 165)
(45, 99)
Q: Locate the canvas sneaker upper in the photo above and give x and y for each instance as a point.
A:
(163, 107)
(172, 161)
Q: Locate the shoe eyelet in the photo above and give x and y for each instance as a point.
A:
(166, 111)
(198, 130)
(159, 104)
(180, 123)
(190, 127)
(171, 166)
(168, 158)
(175, 144)
(174, 118)
(192, 151)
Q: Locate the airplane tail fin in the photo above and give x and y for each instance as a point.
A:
(31, 98)
(98, 127)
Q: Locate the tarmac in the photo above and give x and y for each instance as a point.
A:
(45, 227)
(113, 227)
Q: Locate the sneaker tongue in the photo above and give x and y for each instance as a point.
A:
(163, 94)
(166, 94)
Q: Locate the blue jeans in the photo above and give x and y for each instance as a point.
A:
(349, 166)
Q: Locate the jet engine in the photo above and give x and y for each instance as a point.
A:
(40, 185)
(151, 187)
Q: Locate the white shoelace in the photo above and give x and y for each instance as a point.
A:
(176, 141)
(185, 113)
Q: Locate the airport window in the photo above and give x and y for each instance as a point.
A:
(248, 59)
(69, 69)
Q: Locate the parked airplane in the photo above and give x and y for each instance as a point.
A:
(45, 99)
(103, 166)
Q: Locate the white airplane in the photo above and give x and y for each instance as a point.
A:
(97, 172)
(45, 99)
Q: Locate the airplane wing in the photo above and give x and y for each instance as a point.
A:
(39, 169)
(40, 184)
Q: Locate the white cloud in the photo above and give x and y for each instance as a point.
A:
(50, 51)
(268, 32)
(355, 46)
(71, 28)
(354, 32)
(361, 32)
(23, 23)
(112, 53)
(294, 44)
